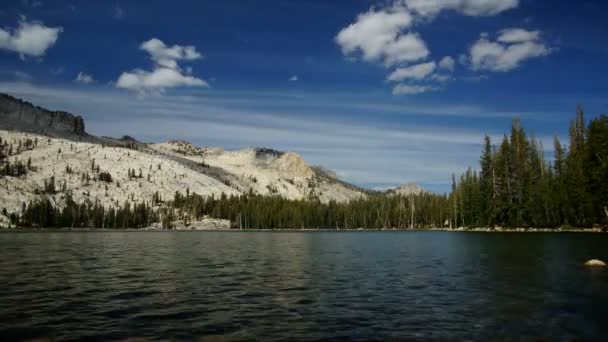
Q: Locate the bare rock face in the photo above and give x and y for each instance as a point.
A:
(595, 263)
(325, 172)
(267, 153)
(292, 165)
(408, 189)
(204, 224)
(16, 114)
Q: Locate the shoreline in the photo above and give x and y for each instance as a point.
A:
(153, 230)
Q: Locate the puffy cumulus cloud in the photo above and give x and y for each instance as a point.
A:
(160, 78)
(407, 48)
(30, 38)
(22, 76)
(414, 72)
(167, 56)
(408, 89)
(447, 63)
(167, 73)
(509, 51)
(430, 8)
(386, 34)
(84, 78)
(377, 35)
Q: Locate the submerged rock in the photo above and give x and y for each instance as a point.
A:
(595, 263)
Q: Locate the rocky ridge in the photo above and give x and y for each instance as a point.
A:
(55, 146)
(16, 114)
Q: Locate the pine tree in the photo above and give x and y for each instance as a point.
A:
(487, 180)
(576, 184)
(596, 166)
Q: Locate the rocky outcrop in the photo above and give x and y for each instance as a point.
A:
(206, 223)
(595, 263)
(324, 172)
(16, 114)
(407, 190)
(264, 152)
(292, 166)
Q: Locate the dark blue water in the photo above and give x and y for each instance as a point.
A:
(302, 286)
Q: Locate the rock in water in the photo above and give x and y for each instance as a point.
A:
(595, 263)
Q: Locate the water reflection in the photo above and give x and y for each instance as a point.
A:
(301, 286)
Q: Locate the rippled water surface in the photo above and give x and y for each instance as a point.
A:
(301, 286)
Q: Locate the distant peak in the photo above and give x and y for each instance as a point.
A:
(323, 171)
(261, 152)
(408, 189)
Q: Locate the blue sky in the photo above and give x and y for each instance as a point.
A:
(384, 92)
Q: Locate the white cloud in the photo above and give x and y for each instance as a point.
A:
(447, 63)
(166, 73)
(22, 76)
(407, 89)
(160, 79)
(440, 77)
(30, 38)
(84, 78)
(414, 72)
(513, 47)
(430, 8)
(517, 35)
(294, 78)
(167, 56)
(407, 48)
(377, 35)
(384, 34)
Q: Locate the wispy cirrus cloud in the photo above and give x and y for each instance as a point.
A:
(415, 72)
(475, 8)
(422, 152)
(84, 78)
(406, 89)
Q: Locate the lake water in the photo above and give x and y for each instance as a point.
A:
(302, 286)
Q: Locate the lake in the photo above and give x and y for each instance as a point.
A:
(302, 286)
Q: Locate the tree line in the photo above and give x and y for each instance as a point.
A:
(517, 186)
(44, 213)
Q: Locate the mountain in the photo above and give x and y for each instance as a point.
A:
(264, 171)
(407, 190)
(39, 146)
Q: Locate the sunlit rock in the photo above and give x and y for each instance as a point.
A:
(595, 263)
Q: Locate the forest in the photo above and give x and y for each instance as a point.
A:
(514, 186)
